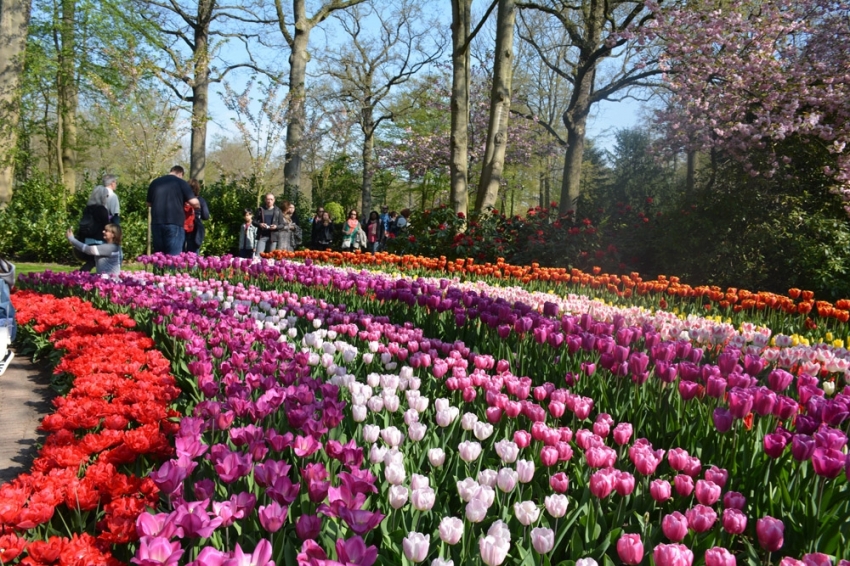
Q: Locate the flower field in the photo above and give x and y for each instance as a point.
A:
(333, 415)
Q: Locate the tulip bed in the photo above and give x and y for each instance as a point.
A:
(336, 416)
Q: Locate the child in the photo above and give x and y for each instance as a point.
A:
(247, 236)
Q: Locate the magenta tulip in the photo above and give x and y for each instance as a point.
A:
(707, 492)
(660, 490)
(734, 521)
(734, 500)
(771, 533)
(684, 485)
(828, 462)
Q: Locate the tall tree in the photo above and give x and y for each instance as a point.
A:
(500, 109)
(459, 164)
(185, 34)
(14, 19)
(67, 94)
(598, 31)
(298, 41)
(369, 67)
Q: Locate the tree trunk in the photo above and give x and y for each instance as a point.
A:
(691, 171)
(500, 109)
(295, 113)
(365, 201)
(575, 119)
(67, 95)
(14, 19)
(459, 165)
(200, 93)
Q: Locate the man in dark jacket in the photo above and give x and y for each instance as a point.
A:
(267, 220)
(166, 197)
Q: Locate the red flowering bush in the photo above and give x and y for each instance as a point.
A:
(115, 414)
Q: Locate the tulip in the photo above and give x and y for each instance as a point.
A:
(416, 546)
(622, 433)
(817, 559)
(770, 533)
(672, 555)
(556, 505)
(507, 451)
(272, 516)
(437, 457)
(487, 477)
(155, 550)
(507, 479)
(701, 518)
(469, 451)
(828, 462)
(451, 530)
(625, 483)
(717, 475)
(586, 562)
(602, 483)
(548, 456)
(734, 500)
(308, 527)
(707, 492)
(722, 419)
(442, 562)
(559, 482)
(788, 561)
(684, 485)
(675, 526)
(543, 540)
(476, 510)
(526, 512)
(719, 556)
(493, 550)
(774, 444)
(630, 549)
(525, 470)
(660, 490)
(398, 496)
(734, 521)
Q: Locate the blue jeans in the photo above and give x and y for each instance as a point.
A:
(167, 238)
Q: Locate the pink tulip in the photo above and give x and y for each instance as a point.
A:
(684, 485)
(623, 433)
(717, 475)
(525, 470)
(548, 456)
(701, 518)
(707, 492)
(788, 561)
(625, 483)
(660, 490)
(630, 549)
(734, 500)
(719, 556)
(522, 438)
(672, 555)
(559, 482)
(556, 505)
(602, 483)
(493, 550)
(817, 559)
(675, 526)
(734, 521)
(770, 533)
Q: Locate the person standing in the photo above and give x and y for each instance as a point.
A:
(195, 238)
(247, 236)
(166, 197)
(113, 205)
(94, 220)
(288, 233)
(353, 236)
(322, 235)
(374, 232)
(268, 219)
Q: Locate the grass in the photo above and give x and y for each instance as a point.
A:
(22, 268)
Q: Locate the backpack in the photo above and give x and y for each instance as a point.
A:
(189, 222)
(94, 220)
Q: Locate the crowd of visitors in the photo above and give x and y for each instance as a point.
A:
(178, 213)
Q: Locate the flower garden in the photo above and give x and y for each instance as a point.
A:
(325, 409)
